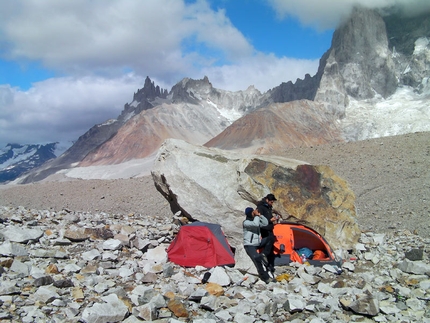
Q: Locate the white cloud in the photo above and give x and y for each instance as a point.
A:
(61, 109)
(263, 71)
(154, 36)
(94, 42)
(328, 13)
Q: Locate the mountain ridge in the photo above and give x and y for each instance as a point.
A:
(360, 78)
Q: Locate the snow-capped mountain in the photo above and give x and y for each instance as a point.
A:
(372, 82)
(17, 159)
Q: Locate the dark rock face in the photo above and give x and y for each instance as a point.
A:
(359, 58)
(144, 99)
(402, 33)
(186, 90)
(302, 89)
(360, 48)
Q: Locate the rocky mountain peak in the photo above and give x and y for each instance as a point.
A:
(373, 71)
(191, 91)
(360, 48)
(149, 92)
(144, 99)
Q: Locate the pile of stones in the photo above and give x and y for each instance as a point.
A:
(83, 267)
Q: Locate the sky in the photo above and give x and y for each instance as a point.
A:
(68, 65)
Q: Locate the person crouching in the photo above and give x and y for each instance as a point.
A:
(252, 241)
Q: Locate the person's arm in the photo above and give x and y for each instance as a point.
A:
(263, 221)
(254, 223)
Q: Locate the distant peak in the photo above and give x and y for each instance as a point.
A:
(189, 82)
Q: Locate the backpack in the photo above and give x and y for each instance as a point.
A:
(305, 251)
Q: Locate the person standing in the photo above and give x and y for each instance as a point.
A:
(265, 206)
(252, 241)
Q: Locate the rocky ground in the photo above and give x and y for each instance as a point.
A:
(390, 177)
(95, 251)
(84, 267)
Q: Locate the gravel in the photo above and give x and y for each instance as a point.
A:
(390, 177)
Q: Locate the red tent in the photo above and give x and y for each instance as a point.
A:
(200, 244)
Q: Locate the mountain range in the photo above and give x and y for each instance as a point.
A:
(372, 82)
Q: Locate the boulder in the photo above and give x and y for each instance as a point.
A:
(213, 185)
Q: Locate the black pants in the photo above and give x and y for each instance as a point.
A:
(267, 245)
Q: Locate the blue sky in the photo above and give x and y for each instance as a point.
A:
(68, 65)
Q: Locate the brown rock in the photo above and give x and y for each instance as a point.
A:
(52, 269)
(78, 294)
(214, 289)
(90, 269)
(6, 263)
(311, 195)
(99, 233)
(169, 295)
(76, 235)
(178, 308)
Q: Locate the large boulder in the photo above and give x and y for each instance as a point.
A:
(216, 186)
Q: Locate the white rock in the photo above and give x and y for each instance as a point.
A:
(348, 266)
(91, 255)
(8, 248)
(415, 304)
(71, 268)
(45, 293)
(219, 276)
(113, 310)
(295, 304)
(20, 267)
(223, 315)
(360, 247)
(112, 244)
(414, 267)
(21, 235)
(158, 254)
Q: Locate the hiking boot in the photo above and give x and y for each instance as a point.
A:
(270, 280)
(271, 273)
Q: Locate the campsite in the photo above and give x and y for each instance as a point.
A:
(204, 244)
(389, 262)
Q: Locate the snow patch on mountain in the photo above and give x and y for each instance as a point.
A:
(230, 114)
(403, 112)
(421, 45)
(13, 154)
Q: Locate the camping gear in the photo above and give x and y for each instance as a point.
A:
(292, 239)
(200, 244)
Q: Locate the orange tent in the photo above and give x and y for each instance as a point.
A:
(291, 237)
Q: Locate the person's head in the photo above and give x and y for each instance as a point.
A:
(270, 199)
(250, 212)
